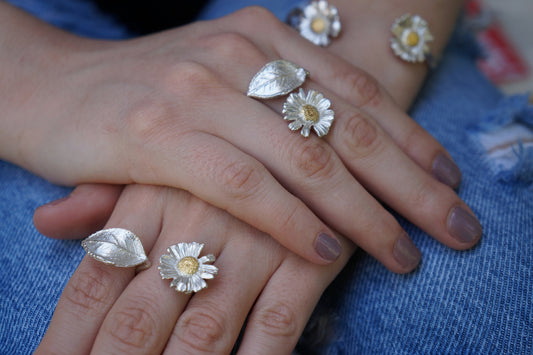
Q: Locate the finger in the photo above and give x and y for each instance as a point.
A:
(79, 214)
(149, 311)
(228, 178)
(94, 287)
(213, 319)
(349, 82)
(278, 317)
(361, 90)
(308, 168)
(313, 171)
(144, 315)
(362, 138)
(371, 156)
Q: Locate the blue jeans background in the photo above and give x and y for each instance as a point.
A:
(475, 301)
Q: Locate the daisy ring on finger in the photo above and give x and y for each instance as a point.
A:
(187, 271)
(308, 110)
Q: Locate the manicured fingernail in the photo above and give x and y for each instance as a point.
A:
(406, 253)
(327, 247)
(446, 171)
(463, 226)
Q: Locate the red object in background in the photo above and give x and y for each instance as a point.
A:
(502, 62)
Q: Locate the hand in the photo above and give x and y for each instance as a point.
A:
(169, 109)
(105, 309)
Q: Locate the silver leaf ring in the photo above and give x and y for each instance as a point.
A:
(116, 246)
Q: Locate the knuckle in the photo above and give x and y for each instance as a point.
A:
(417, 140)
(148, 119)
(188, 80)
(258, 15)
(133, 326)
(313, 160)
(89, 291)
(240, 179)
(421, 195)
(277, 319)
(360, 136)
(202, 330)
(363, 88)
(289, 217)
(235, 47)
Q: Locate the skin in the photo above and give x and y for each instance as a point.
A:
(148, 129)
(104, 309)
(183, 146)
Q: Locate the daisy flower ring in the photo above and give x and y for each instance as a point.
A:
(308, 110)
(318, 22)
(187, 270)
(410, 39)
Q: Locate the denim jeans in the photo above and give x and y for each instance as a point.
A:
(474, 301)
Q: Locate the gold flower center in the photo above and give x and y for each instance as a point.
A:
(188, 265)
(310, 113)
(412, 39)
(318, 25)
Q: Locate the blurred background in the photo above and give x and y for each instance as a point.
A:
(505, 29)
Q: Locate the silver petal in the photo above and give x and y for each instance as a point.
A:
(276, 78)
(115, 246)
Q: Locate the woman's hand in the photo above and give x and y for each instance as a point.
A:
(105, 309)
(170, 109)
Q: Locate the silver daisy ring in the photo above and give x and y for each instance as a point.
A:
(187, 270)
(318, 22)
(410, 39)
(304, 110)
(308, 110)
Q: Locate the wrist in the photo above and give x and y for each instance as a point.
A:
(30, 54)
(365, 40)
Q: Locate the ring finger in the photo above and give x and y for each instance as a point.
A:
(149, 316)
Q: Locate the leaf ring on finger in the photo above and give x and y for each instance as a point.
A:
(118, 247)
(305, 110)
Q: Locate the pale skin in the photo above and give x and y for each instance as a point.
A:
(144, 129)
(182, 120)
(108, 310)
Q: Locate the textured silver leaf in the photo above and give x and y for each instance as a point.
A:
(115, 246)
(276, 78)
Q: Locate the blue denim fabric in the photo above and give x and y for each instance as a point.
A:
(77, 16)
(477, 301)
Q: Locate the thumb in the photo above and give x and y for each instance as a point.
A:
(79, 214)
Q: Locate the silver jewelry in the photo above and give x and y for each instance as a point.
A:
(308, 110)
(318, 22)
(305, 110)
(187, 271)
(276, 78)
(410, 39)
(118, 247)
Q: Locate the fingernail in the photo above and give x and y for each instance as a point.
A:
(446, 171)
(406, 253)
(463, 226)
(327, 247)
